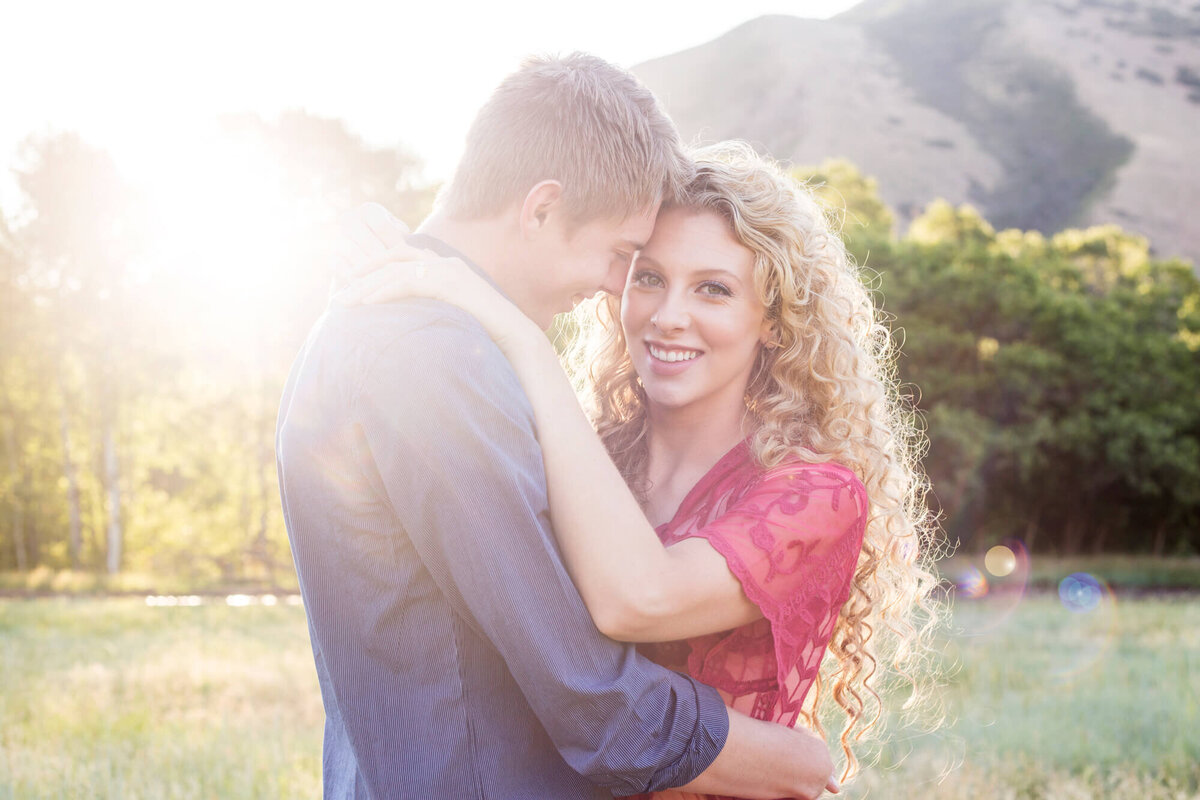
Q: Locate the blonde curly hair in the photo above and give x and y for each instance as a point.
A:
(826, 392)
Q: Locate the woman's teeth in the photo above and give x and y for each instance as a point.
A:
(673, 355)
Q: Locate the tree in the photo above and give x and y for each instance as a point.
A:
(137, 393)
(1058, 378)
(81, 237)
(942, 223)
(853, 199)
(15, 319)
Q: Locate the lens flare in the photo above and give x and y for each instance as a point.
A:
(996, 597)
(1080, 592)
(1000, 561)
(1093, 629)
(972, 584)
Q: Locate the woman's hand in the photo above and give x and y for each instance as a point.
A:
(362, 235)
(404, 272)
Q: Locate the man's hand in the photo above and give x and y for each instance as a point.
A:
(365, 234)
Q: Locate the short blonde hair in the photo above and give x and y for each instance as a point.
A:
(578, 120)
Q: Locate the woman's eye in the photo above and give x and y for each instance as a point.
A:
(715, 289)
(648, 279)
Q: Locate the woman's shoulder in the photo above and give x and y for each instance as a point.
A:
(815, 475)
(832, 491)
(792, 484)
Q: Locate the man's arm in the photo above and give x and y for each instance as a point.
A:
(451, 437)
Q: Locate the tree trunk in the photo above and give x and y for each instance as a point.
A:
(18, 498)
(264, 456)
(1031, 531)
(112, 478)
(23, 521)
(1072, 535)
(72, 483)
(1160, 539)
(263, 459)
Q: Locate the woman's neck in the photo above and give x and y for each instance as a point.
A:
(682, 446)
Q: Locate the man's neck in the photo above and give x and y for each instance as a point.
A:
(482, 241)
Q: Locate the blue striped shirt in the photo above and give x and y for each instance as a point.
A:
(455, 657)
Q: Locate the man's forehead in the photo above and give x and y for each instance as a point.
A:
(638, 226)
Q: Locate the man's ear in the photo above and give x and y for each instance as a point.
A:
(542, 202)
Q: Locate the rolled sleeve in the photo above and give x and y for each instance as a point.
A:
(451, 434)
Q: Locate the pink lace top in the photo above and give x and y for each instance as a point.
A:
(791, 535)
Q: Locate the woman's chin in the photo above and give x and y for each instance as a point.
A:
(660, 398)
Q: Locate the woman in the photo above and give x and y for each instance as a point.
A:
(760, 505)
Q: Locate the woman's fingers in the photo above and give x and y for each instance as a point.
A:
(397, 280)
(401, 252)
(369, 231)
(386, 228)
(369, 286)
(363, 236)
(348, 255)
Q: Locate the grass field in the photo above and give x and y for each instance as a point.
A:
(115, 699)
(118, 699)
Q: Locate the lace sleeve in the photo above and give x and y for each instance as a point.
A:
(793, 540)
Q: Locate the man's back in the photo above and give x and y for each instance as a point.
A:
(454, 654)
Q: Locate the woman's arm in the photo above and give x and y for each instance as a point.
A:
(635, 588)
(808, 769)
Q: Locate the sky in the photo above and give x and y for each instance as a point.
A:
(143, 79)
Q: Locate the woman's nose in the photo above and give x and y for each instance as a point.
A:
(671, 314)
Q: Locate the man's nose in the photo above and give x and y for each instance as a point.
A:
(614, 281)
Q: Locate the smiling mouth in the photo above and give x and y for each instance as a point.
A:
(672, 355)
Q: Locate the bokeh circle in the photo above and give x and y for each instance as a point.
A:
(1080, 592)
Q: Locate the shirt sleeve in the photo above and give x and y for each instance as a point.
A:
(452, 436)
(793, 541)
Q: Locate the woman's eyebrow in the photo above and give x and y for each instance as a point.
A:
(707, 272)
(714, 272)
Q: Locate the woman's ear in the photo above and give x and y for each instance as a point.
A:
(541, 202)
(768, 336)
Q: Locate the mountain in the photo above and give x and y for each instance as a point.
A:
(1043, 114)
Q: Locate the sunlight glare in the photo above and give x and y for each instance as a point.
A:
(222, 223)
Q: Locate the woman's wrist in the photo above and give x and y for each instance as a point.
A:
(524, 344)
(519, 336)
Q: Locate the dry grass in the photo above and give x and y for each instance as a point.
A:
(115, 699)
(112, 699)
(1045, 702)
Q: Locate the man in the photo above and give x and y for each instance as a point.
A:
(455, 657)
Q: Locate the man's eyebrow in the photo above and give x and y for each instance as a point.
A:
(631, 243)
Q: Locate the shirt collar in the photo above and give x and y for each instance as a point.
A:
(427, 242)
